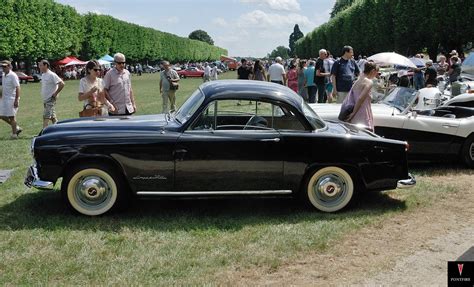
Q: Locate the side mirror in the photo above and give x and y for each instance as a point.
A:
(414, 114)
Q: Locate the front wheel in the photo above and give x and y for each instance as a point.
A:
(330, 189)
(92, 189)
(467, 152)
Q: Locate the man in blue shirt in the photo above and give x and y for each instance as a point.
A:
(343, 74)
(309, 82)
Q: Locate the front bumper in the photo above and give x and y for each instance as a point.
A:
(32, 180)
(407, 183)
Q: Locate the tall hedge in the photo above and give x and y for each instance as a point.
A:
(403, 26)
(32, 29)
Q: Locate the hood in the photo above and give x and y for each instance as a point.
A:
(347, 129)
(148, 122)
(331, 111)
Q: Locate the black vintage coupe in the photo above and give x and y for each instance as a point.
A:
(228, 138)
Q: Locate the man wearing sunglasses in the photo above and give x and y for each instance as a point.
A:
(118, 88)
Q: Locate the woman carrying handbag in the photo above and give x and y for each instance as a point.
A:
(91, 92)
(356, 108)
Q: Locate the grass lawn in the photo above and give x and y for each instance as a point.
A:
(163, 242)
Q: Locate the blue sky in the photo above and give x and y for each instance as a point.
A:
(243, 27)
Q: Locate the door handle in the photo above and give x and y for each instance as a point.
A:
(270, 140)
(448, 125)
(179, 154)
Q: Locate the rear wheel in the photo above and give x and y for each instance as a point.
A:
(467, 152)
(330, 189)
(92, 189)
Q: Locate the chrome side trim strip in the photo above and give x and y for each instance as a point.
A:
(239, 192)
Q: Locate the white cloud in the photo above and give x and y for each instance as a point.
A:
(285, 5)
(221, 22)
(321, 18)
(260, 19)
(171, 20)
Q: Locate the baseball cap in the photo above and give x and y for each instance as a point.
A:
(429, 62)
(453, 52)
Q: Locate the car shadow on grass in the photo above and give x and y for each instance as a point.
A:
(46, 210)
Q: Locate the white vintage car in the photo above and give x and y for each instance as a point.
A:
(444, 132)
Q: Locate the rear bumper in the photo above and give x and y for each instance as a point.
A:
(407, 183)
(32, 180)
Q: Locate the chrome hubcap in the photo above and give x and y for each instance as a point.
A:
(330, 188)
(92, 191)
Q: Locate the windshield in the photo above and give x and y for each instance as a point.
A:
(312, 117)
(400, 98)
(190, 106)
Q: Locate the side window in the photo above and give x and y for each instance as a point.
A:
(240, 115)
(284, 119)
(206, 119)
(246, 115)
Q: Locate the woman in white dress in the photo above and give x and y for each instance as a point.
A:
(91, 90)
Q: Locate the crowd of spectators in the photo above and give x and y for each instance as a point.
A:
(324, 79)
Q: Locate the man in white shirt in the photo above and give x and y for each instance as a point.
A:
(214, 72)
(10, 98)
(51, 86)
(276, 72)
(207, 73)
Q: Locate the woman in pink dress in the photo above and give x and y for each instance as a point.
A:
(293, 77)
(361, 97)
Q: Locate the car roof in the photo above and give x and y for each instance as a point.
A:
(247, 88)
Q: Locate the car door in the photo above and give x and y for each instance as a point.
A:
(429, 135)
(193, 72)
(220, 153)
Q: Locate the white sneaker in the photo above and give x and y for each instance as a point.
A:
(14, 137)
(18, 130)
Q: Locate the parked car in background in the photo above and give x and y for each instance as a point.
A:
(191, 72)
(36, 77)
(445, 132)
(24, 78)
(276, 146)
(150, 69)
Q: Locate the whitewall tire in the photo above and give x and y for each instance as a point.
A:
(330, 189)
(91, 190)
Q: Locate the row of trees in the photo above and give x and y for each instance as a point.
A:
(403, 26)
(32, 29)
